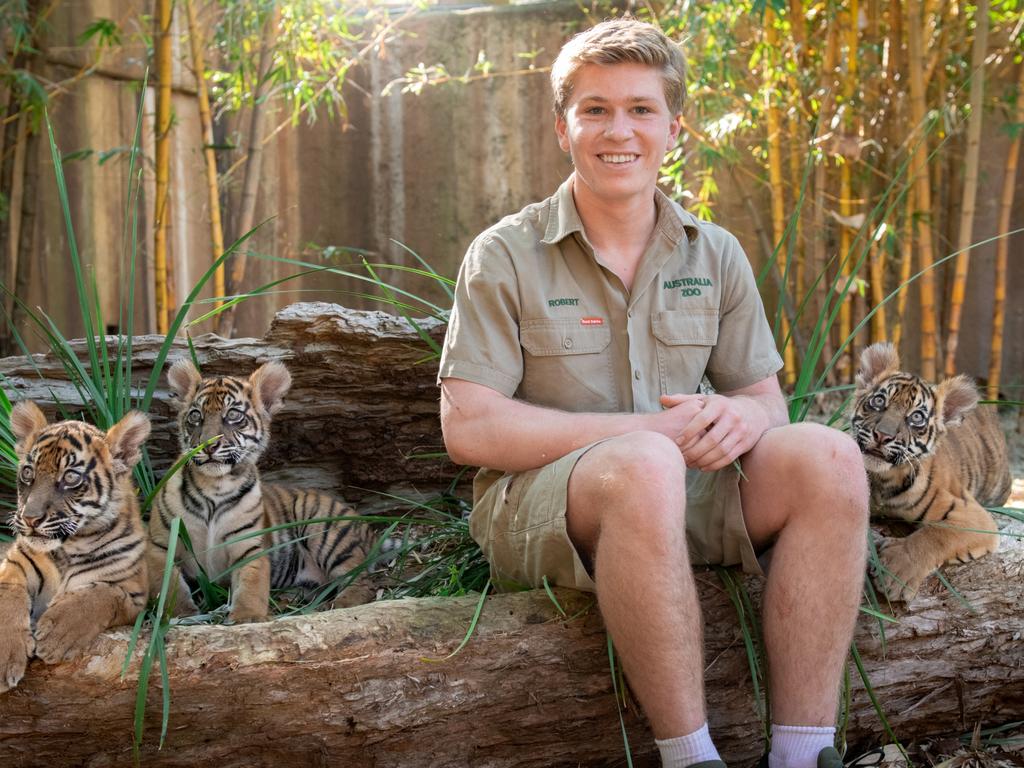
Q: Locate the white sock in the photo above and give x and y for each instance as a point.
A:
(797, 746)
(686, 750)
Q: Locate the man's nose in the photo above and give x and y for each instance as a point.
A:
(618, 127)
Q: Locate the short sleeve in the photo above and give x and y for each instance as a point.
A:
(745, 352)
(482, 342)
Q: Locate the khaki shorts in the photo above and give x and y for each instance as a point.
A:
(519, 522)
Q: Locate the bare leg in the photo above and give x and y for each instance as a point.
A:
(807, 492)
(626, 512)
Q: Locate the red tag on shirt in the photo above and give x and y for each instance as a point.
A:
(591, 321)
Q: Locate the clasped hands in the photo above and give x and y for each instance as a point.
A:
(712, 431)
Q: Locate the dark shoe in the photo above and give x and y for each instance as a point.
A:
(708, 764)
(829, 758)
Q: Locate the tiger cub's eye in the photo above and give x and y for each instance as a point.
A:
(916, 419)
(877, 402)
(195, 417)
(27, 475)
(71, 479)
(234, 416)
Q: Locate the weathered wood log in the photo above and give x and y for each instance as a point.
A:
(362, 405)
(370, 686)
(531, 688)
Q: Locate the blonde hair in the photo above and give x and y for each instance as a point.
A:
(620, 41)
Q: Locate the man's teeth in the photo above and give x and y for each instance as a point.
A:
(619, 158)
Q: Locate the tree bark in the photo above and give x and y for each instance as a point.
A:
(362, 404)
(369, 686)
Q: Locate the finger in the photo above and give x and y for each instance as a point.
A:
(702, 421)
(671, 401)
(729, 450)
(702, 452)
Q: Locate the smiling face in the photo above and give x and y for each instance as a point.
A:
(617, 127)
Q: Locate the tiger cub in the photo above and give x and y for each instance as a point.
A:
(77, 564)
(931, 457)
(219, 498)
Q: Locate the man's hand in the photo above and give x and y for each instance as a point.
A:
(720, 430)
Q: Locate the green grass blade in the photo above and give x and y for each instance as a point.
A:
(472, 625)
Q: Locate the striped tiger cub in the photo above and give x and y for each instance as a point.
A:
(77, 565)
(932, 457)
(219, 498)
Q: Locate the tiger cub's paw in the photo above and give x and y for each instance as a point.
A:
(246, 615)
(16, 646)
(64, 631)
(901, 573)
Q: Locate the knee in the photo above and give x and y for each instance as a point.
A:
(640, 478)
(826, 464)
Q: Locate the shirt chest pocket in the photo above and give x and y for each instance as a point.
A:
(684, 341)
(567, 365)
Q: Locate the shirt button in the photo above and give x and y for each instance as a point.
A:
(636, 374)
(567, 343)
(630, 313)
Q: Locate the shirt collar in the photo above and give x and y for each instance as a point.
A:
(564, 219)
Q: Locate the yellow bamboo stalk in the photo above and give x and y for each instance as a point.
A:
(849, 22)
(970, 194)
(216, 230)
(162, 54)
(922, 190)
(777, 193)
(1003, 247)
(906, 262)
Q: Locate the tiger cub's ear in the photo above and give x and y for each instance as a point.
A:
(270, 382)
(26, 421)
(125, 440)
(877, 361)
(955, 398)
(183, 378)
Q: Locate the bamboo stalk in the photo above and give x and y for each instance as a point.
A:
(26, 228)
(777, 191)
(970, 193)
(922, 191)
(162, 54)
(849, 24)
(206, 121)
(253, 167)
(906, 261)
(1003, 247)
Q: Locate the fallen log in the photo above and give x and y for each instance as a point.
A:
(375, 686)
(360, 415)
(531, 688)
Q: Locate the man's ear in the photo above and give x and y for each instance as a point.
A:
(674, 129)
(270, 381)
(26, 422)
(562, 131)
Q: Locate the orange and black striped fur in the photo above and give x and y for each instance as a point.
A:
(219, 498)
(932, 458)
(77, 565)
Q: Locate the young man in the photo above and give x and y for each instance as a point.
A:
(582, 328)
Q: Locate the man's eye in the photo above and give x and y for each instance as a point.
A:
(194, 418)
(71, 479)
(27, 475)
(234, 416)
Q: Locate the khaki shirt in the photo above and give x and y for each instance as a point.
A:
(537, 317)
